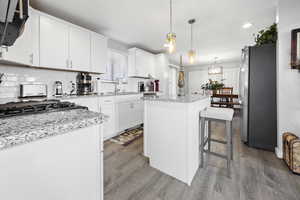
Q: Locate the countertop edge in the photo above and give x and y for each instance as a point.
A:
(52, 131)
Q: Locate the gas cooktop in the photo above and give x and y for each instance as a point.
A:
(35, 107)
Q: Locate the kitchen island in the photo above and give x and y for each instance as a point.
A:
(171, 134)
(53, 155)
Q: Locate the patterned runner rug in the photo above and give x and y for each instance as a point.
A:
(128, 137)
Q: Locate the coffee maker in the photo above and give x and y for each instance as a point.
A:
(84, 83)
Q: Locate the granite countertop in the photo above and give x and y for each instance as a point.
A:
(109, 94)
(28, 128)
(177, 99)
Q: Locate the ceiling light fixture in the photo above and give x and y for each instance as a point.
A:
(171, 36)
(247, 25)
(214, 69)
(192, 52)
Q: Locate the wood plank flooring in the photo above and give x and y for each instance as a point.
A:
(256, 175)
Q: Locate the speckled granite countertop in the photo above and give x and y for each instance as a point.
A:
(109, 94)
(28, 128)
(177, 99)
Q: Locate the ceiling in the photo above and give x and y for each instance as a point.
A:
(218, 29)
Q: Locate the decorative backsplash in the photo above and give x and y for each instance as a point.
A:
(9, 87)
(14, 76)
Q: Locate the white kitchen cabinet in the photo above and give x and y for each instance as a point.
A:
(64, 167)
(130, 114)
(25, 50)
(99, 53)
(140, 63)
(79, 49)
(54, 43)
(107, 107)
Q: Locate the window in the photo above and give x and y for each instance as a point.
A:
(117, 66)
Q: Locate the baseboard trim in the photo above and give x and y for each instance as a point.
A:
(278, 153)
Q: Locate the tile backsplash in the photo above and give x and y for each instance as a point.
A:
(15, 75)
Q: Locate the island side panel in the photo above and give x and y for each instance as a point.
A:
(166, 137)
(193, 141)
(65, 167)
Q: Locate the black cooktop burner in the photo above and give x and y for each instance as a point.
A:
(35, 107)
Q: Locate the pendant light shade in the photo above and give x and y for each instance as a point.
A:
(192, 52)
(214, 69)
(171, 36)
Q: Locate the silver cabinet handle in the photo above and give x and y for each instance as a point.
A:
(67, 63)
(71, 64)
(31, 58)
(131, 105)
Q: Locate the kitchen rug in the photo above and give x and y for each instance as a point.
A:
(128, 137)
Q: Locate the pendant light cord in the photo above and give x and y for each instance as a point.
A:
(191, 36)
(171, 16)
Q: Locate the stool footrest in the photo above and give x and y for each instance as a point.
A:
(219, 141)
(216, 154)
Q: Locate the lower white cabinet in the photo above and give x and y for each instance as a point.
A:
(130, 114)
(123, 112)
(107, 107)
(64, 167)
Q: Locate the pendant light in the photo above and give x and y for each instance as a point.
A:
(214, 69)
(192, 52)
(171, 37)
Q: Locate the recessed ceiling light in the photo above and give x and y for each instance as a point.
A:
(247, 25)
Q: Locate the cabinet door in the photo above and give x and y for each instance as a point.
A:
(53, 43)
(99, 53)
(131, 63)
(130, 114)
(22, 51)
(80, 50)
(138, 112)
(109, 125)
(141, 63)
(151, 65)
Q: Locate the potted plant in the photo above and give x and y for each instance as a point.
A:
(212, 86)
(267, 36)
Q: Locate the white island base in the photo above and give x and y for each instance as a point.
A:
(62, 167)
(171, 135)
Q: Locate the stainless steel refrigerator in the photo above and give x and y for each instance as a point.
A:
(258, 97)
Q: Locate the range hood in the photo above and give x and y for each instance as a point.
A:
(13, 16)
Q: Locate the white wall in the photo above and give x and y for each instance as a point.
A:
(288, 80)
(199, 75)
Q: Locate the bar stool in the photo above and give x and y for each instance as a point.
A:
(221, 115)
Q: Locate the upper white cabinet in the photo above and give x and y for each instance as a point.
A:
(99, 53)
(54, 43)
(25, 50)
(79, 49)
(140, 63)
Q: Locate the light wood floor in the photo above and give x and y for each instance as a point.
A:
(256, 175)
